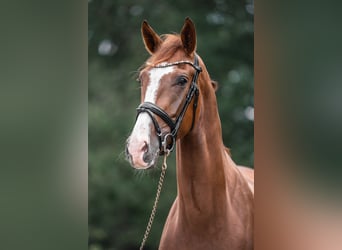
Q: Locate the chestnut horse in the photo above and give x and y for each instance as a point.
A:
(214, 205)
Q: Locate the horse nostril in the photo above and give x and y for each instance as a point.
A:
(147, 157)
(145, 147)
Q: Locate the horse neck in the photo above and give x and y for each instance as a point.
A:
(202, 161)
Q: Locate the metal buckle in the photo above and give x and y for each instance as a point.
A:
(165, 145)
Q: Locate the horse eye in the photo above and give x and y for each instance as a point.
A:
(182, 80)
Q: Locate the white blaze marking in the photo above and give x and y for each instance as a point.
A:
(141, 131)
(156, 75)
(142, 128)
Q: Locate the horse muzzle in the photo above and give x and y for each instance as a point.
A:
(140, 154)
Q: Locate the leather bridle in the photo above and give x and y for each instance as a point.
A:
(151, 109)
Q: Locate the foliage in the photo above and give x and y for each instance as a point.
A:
(120, 199)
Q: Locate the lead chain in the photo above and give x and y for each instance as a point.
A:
(154, 209)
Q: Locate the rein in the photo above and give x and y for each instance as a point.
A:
(151, 109)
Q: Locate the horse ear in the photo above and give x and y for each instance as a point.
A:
(188, 36)
(151, 39)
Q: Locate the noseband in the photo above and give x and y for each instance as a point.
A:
(151, 109)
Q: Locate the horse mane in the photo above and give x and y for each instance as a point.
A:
(228, 151)
(214, 84)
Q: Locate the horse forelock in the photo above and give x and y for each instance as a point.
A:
(172, 50)
(171, 46)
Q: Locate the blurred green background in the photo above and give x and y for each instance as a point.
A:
(120, 198)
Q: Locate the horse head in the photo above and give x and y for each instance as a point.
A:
(169, 94)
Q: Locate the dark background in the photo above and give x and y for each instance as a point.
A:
(120, 199)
